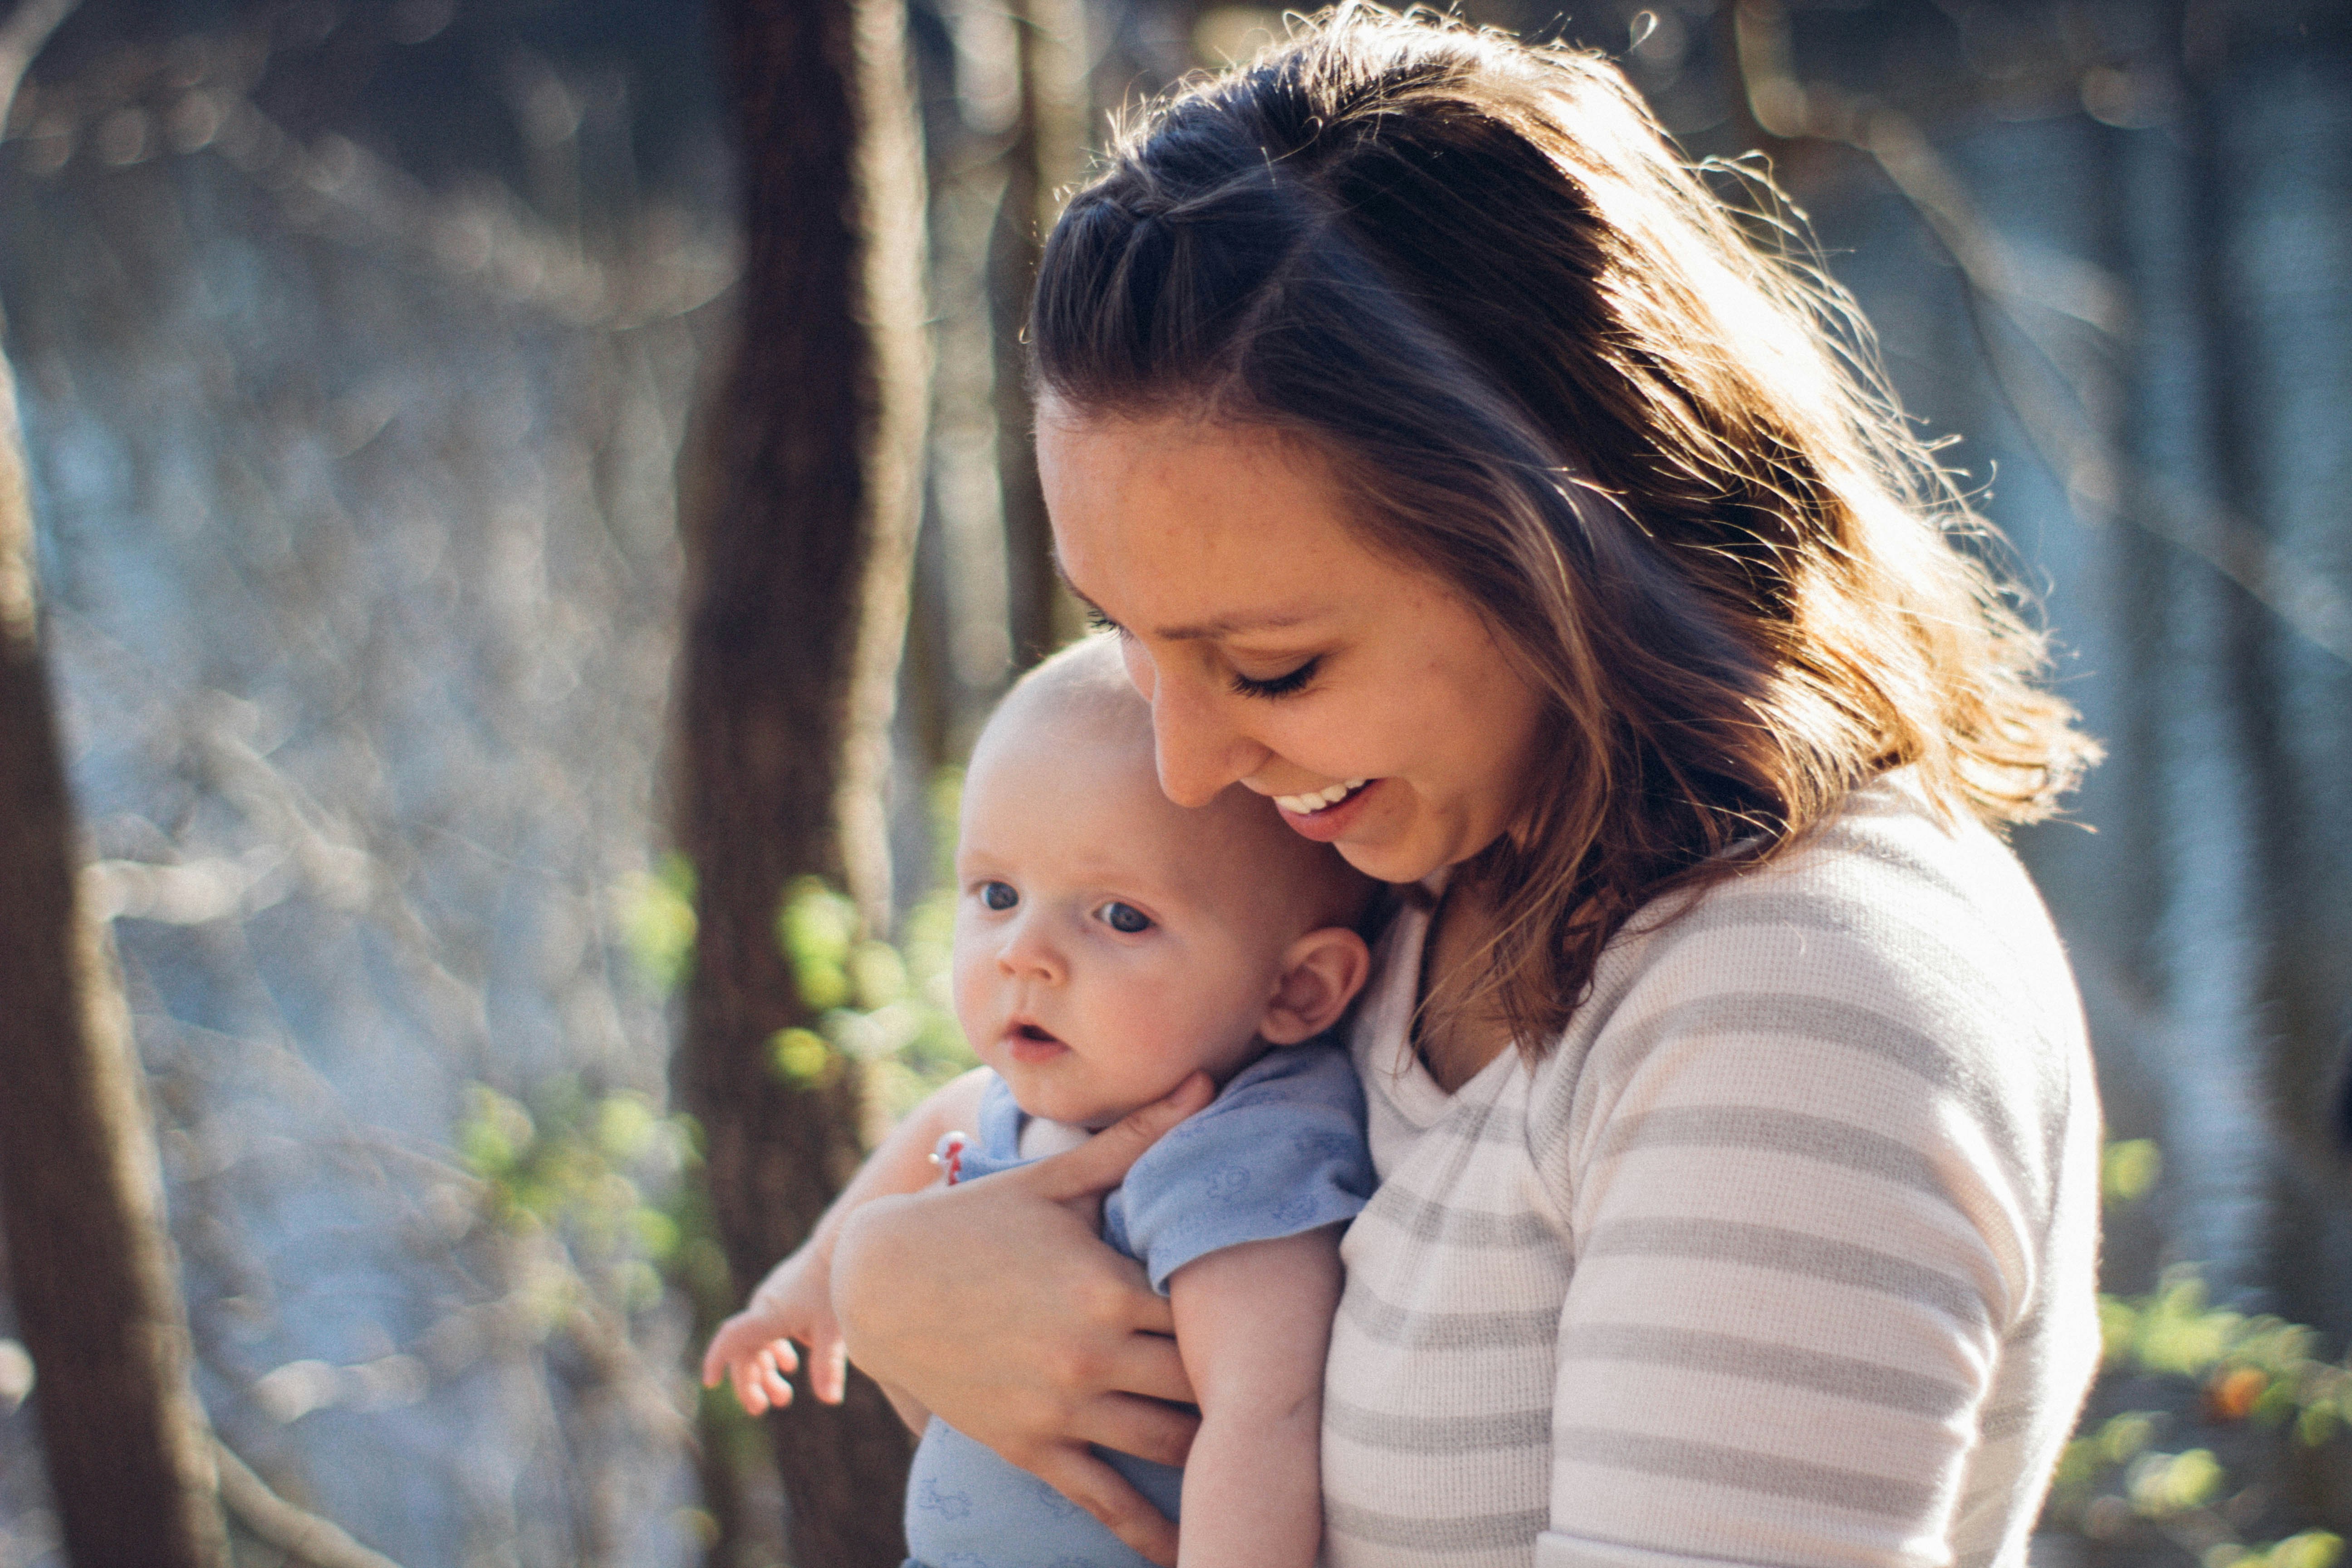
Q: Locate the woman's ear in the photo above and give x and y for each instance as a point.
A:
(1320, 976)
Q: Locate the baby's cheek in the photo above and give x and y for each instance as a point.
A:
(1184, 1015)
(967, 971)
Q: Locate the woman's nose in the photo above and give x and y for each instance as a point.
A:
(1199, 750)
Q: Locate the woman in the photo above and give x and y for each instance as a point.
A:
(1460, 474)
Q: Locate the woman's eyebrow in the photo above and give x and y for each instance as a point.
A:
(1218, 627)
(1234, 626)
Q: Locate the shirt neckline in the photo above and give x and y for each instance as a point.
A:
(1385, 1053)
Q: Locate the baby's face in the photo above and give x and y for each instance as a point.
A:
(1108, 943)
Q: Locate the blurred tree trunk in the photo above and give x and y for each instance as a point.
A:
(799, 520)
(1046, 155)
(95, 1285)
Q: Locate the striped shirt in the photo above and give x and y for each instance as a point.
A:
(1783, 1254)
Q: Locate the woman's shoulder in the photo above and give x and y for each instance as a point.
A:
(1894, 969)
(1887, 897)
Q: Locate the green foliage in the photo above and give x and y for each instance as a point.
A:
(599, 1175)
(2163, 1485)
(2249, 1387)
(2128, 1170)
(891, 1008)
(656, 910)
(816, 928)
(2311, 1549)
(934, 1051)
(595, 1174)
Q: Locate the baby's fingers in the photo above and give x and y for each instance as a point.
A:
(760, 1380)
(775, 1361)
(828, 1367)
(744, 1376)
(734, 1342)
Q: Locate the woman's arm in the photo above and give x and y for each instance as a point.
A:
(997, 1305)
(754, 1347)
(1254, 1323)
(1831, 1167)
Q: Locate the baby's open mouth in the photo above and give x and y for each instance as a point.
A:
(1031, 1046)
(1318, 800)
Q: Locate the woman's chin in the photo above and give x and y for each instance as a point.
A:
(1422, 848)
(1387, 862)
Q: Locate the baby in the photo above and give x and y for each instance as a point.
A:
(1108, 945)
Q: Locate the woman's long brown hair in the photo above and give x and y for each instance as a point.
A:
(1558, 370)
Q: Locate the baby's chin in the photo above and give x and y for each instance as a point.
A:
(1069, 1110)
(1040, 1103)
(1089, 1118)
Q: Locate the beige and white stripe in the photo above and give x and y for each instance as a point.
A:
(1782, 1255)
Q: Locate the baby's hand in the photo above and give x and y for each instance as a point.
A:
(754, 1349)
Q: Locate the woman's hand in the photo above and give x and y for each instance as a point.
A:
(997, 1304)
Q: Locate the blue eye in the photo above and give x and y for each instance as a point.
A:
(998, 895)
(1124, 918)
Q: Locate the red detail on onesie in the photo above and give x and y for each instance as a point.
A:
(948, 1155)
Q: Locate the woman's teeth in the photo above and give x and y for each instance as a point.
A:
(1307, 804)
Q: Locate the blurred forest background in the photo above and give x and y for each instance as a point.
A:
(529, 501)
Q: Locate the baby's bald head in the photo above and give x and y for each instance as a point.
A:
(1080, 703)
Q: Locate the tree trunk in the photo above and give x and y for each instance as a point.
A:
(1046, 155)
(96, 1288)
(800, 528)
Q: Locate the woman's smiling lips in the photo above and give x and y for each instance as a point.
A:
(1325, 818)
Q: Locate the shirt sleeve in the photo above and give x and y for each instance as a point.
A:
(1279, 1151)
(1805, 1167)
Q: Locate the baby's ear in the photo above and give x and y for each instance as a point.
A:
(1320, 976)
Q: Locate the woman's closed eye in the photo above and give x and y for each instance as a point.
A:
(1282, 685)
(1125, 919)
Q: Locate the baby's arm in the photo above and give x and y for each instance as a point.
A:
(1254, 1323)
(753, 1348)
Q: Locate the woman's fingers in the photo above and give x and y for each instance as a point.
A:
(1144, 1427)
(996, 1305)
(1102, 1161)
(1104, 1493)
(1147, 1363)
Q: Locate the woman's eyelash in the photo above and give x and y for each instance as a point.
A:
(1280, 685)
(1099, 622)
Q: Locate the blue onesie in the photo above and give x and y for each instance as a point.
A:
(1279, 1151)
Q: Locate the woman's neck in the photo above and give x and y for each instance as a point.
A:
(1455, 1041)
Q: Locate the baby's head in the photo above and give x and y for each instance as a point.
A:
(1109, 943)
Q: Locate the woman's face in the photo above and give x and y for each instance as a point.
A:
(1365, 697)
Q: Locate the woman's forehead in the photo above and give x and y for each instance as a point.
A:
(1220, 523)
